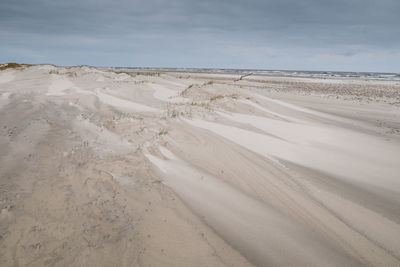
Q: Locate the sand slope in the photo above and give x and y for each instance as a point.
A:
(99, 168)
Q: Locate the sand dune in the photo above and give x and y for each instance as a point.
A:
(6, 76)
(99, 168)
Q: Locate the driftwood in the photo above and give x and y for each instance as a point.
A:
(241, 77)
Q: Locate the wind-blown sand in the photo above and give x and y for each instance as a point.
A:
(100, 168)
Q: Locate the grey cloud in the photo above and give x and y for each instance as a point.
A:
(179, 30)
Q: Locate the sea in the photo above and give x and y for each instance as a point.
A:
(384, 76)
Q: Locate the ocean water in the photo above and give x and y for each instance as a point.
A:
(318, 74)
(337, 74)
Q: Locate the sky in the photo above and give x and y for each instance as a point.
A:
(337, 35)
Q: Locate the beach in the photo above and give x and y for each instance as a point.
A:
(135, 167)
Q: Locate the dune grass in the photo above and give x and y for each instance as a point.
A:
(11, 65)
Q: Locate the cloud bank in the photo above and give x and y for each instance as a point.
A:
(360, 35)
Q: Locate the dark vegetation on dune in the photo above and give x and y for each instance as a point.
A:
(12, 65)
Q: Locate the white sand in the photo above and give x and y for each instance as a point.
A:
(167, 95)
(99, 168)
(258, 230)
(6, 76)
(124, 105)
(343, 154)
(4, 99)
(58, 85)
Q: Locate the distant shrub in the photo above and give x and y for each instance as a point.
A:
(11, 65)
(216, 97)
(163, 132)
(149, 74)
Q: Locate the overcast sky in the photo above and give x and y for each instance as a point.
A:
(358, 35)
